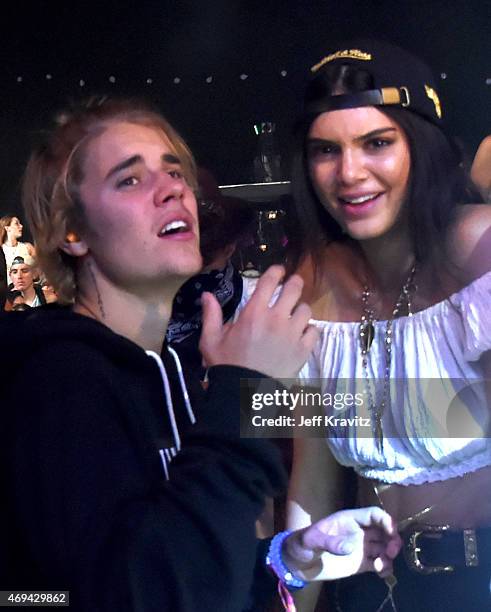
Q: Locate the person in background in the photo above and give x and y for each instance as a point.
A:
(10, 234)
(105, 494)
(398, 275)
(3, 280)
(49, 293)
(15, 301)
(22, 274)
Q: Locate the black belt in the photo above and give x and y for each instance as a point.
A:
(430, 549)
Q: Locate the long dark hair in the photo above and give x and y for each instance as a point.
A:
(438, 182)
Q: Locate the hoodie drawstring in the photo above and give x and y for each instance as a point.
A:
(185, 393)
(167, 454)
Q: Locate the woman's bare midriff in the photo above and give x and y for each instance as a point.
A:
(463, 502)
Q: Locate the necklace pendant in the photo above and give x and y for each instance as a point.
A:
(379, 434)
(367, 334)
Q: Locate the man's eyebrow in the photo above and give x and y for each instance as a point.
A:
(131, 161)
(168, 158)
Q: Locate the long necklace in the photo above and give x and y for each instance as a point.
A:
(366, 336)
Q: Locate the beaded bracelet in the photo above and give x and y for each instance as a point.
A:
(275, 562)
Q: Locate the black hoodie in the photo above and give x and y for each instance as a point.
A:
(86, 506)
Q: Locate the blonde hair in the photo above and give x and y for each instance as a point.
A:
(54, 173)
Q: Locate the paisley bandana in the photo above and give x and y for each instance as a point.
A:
(185, 320)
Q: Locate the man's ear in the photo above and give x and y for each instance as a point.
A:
(74, 245)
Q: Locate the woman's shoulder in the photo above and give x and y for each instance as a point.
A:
(469, 242)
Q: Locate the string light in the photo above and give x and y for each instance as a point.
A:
(272, 214)
(209, 79)
(263, 247)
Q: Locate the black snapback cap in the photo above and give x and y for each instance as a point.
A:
(399, 79)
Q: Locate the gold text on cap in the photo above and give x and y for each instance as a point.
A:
(433, 96)
(346, 53)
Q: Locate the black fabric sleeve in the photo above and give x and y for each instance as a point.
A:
(89, 514)
(265, 584)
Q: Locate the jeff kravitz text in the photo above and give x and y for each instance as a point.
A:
(315, 421)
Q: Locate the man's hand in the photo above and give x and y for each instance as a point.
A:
(274, 340)
(345, 543)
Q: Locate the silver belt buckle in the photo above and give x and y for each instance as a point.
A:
(412, 550)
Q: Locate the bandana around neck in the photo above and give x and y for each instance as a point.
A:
(226, 285)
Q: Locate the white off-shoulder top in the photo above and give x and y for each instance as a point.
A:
(437, 425)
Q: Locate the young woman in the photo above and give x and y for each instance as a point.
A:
(398, 278)
(10, 233)
(116, 488)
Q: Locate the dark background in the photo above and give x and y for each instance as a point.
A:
(193, 40)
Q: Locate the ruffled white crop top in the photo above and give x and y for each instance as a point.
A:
(435, 356)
